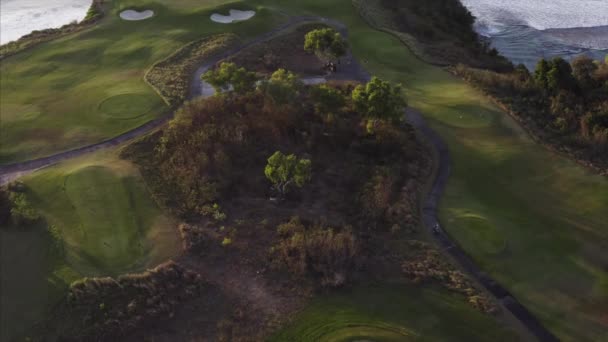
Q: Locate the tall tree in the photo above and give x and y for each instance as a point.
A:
(583, 69)
(282, 87)
(379, 100)
(540, 73)
(326, 43)
(560, 76)
(228, 76)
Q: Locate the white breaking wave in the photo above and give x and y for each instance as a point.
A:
(20, 17)
(494, 15)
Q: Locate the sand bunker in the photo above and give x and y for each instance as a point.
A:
(136, 15)
(235, 15)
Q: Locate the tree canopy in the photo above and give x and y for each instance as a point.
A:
(283, 86)
(326, 43)
(228, 76)
(287, 170)
(379, 100)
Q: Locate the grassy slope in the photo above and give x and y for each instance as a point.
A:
(108, 224)
(87, 87)
(391, 313)
(534, 220)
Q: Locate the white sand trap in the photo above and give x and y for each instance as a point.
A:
(136, 15)
(235, 15)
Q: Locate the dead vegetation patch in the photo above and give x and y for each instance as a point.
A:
(428, 265)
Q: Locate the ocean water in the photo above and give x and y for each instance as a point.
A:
(527, 30)
(20, 17)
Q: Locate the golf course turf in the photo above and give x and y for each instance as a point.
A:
(391, 314)
(535, 221)
(87, 87)
(107, 225)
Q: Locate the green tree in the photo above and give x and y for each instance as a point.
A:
(229, 75)
(328, 100)
(326, 43)
(284, 171)
(379, 100)
(560, 76)
(540, 73)
(283, 86)
(583, 69)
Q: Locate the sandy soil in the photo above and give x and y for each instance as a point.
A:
(234, 16)
(132, 15)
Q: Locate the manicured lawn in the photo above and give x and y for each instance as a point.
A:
(88, 87)
(108, 225)
(392, 314)
(534, 220)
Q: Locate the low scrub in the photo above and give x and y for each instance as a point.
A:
(326, 254)
(171, 77)
(106, 308)
(428, 265)
(562, 104)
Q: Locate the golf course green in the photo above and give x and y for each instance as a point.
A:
(88, 87)
(105, 223)
(392, 314)
(535, 221)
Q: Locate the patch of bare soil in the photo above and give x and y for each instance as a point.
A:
(285, 51)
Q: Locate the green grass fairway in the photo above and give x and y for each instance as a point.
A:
(540, 221)
(107, 220)
(392, 314)
(88, 87)
(108, 225)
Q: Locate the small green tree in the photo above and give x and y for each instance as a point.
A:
(229, 75)
(283, 86)
(285, 171)
(328, 100)
(379, 100)
(560, 76)
(583, 69)
(540, 73)
(326, 43)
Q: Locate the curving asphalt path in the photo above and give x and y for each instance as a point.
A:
(349, 69)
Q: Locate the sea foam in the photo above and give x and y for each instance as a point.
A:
(20, 17)
(494, 15)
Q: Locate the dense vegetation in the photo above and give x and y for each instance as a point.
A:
(302, 145)
(172, 76)
(438, 31)
(565, 104)
(103, 309)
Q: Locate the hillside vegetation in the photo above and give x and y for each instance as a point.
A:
(563, 104)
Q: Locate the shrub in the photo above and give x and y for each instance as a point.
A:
(324, 253)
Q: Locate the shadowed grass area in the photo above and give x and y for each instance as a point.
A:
(391, 314)
(107, 225)
(548, 212)
(71, 91)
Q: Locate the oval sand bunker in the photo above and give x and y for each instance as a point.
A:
(136, 15)
(235, 15)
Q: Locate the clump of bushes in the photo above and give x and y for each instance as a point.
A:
(563, 104)
(105, 308)
(15, 208)
(429, 266)
(171, 77)
(326, 254)
(438, 31)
